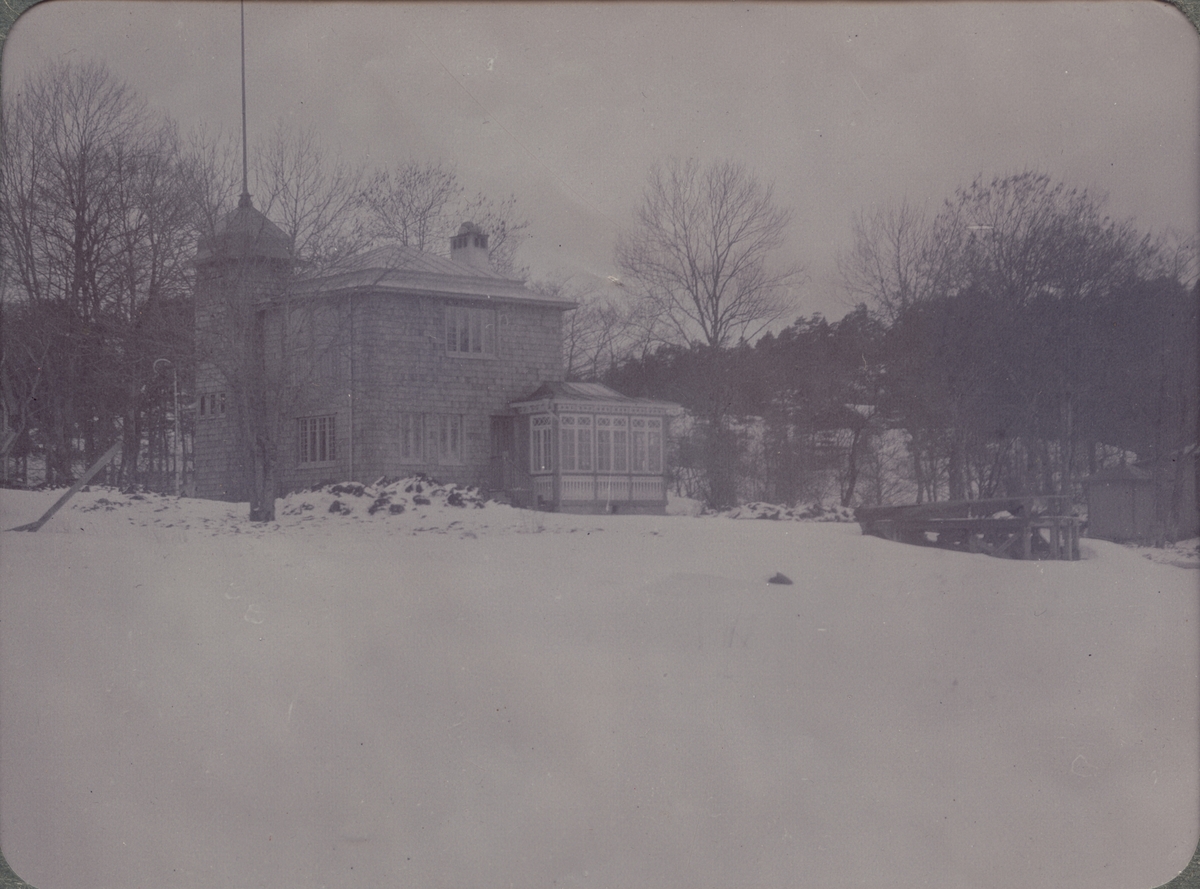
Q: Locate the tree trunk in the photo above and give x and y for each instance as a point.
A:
(852, 467)
(262, 491)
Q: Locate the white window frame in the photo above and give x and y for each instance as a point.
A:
(620, 444)
(316, 440)
(450, 439)
(412, 437)
(646, 445)
(541, 443)
(432, 438)
(470, 332)
(576, 443)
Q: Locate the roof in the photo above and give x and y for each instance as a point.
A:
(595, 393)
(245, 233)
(406, 269)
(1120, 473)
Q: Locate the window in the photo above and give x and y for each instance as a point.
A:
(316, 441)
(540, 444)
(411, 435)
(431, 438)
(647, 444)
(575, 443)
(450, 447)
(612, 444)
(470, 331)
(211, 405)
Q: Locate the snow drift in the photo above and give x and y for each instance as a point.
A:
(474, 695)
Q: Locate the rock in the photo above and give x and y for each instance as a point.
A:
(779, 578)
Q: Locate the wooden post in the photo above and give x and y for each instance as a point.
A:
(1027, 540)
(75, 489)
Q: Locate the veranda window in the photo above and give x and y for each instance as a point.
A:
(541, 431)
(612, 444)
(575, 443)
(647, 444)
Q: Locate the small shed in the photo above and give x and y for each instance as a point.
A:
(585, 448)
(1120, 504)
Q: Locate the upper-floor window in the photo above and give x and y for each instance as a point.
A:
(470, 331)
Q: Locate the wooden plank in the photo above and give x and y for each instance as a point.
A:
(965, 532)
(75, 489)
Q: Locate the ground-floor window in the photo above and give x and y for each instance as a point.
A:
(316, 441)
(431, 438)
(211, 405)
(541, 430)
(412, 434)
(646, 439)
(575, 442)
(612, 444)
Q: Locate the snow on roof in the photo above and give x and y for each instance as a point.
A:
(558, 390)
(395, 267)
(244, 232)
(1121, 473)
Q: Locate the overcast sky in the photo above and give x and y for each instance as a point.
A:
(842, 106)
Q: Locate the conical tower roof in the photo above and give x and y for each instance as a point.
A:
(245, 233)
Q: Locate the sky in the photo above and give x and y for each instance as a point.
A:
(844, 107)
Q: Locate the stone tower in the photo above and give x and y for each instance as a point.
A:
(243, 269)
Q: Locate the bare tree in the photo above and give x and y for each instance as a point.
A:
(701, 252)
(422, 203)
(410, 204)
(312, 195)
(997, 355)
(93, 227)
(213, 170)
(597, 333)
(895, 260)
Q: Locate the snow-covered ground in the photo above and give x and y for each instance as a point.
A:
(478, 696)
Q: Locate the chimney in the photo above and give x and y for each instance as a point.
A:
(470, 246)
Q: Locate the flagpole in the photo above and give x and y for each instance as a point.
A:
(245, 200)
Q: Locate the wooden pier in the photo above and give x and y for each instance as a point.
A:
(1011, 527)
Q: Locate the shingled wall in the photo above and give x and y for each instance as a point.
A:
(391, 357)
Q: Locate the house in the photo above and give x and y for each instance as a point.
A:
(401, 362)
(1120, 501)
(1148, 502)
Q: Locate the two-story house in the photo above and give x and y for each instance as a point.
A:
(402, 362)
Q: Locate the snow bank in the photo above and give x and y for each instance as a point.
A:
(808, 512)
(479, 696)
